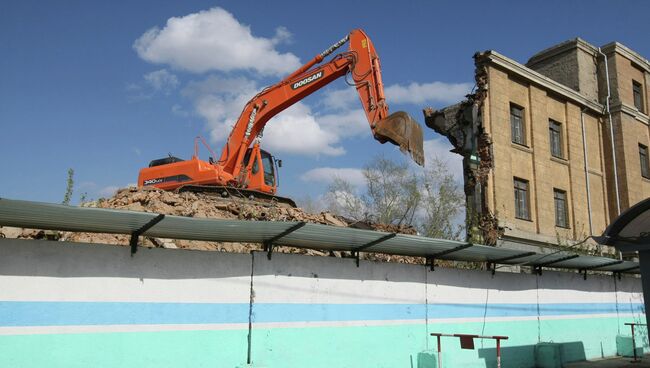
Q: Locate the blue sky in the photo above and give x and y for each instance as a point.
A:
(95, 87)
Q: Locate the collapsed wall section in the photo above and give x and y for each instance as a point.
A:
(462, 124)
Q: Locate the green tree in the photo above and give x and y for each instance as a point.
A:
(443, 203)
(69, 187)
(343, 199)
(394, 193)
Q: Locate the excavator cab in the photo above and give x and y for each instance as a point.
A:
(261, 170)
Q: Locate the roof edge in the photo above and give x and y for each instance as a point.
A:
(627, 52)
(539, 79)
(560, 48)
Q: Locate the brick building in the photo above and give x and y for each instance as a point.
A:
(536, 141)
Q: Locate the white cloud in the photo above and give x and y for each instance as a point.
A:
(420, 93)
(282, 35)
(214, 40)
(438, 148)
(220, 101)
(338, 99)
(346, 123)
(161, 80)
(178, 110)
(327, 174)
(297, 130)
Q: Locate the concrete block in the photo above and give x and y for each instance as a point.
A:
(624, 346)
(427, 359)
(547, 355)
(555, 355)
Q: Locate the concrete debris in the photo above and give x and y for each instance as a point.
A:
(211, 205)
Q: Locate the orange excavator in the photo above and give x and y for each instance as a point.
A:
(246, 170)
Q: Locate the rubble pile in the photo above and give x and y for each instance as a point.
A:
(210, 205)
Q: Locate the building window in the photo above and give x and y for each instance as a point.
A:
(517, 124)
(645, 164)
(555, 136)
(522, 210)
(638, 95)
(561, 218)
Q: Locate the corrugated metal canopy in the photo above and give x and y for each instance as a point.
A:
(302, 235)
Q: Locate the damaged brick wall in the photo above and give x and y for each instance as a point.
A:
(462, 125)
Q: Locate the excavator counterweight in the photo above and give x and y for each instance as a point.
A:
(249, 170)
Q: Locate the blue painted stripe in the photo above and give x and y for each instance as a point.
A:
(524, 310)
(127, 313)
(118, 313)
(270, 312)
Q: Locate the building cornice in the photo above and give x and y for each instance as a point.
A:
(536, 78)
(632, 111)
(628, 53)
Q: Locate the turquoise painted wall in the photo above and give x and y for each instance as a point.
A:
(372, 346)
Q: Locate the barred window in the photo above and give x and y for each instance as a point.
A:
(555, 136)
(517, 124)
(561, 217)
(521, 199)
(645, 164)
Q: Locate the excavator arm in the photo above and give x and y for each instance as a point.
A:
(362, 63)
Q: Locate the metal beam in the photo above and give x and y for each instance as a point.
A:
(134, 235)
(374, 242)
(584, 270)
(548, 263)
(431, 259)
(491, 264)
(355, 251)
(510, 258)
(538, 267)
(452, 250)
(628, 269)
(268, 244)
(604, 265)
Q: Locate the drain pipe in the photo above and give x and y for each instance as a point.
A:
(584, 147)
(611, 134)
(611, 137)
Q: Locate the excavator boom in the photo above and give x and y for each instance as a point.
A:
(244, 165)
(362, 63)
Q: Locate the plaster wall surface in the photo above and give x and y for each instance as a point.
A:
(533, 162)
(80, 305)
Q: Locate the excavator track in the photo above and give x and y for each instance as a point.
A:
(230, 192)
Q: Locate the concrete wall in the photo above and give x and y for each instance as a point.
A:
(81, 305)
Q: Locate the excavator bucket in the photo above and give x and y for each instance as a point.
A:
(402, 130)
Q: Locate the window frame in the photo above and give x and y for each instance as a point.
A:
(637, 92)
(561, 195)
(521, 124)
(555, 127)
(521, 196)
(645, 166)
